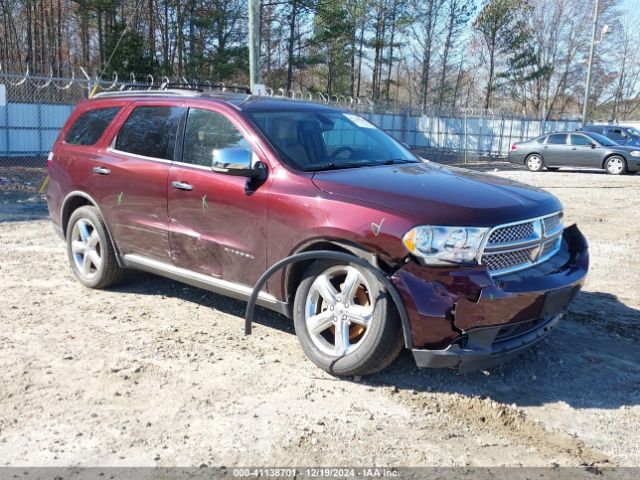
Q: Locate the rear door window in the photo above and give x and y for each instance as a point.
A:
(580, 140)
(150, 131)
(89, 127)
(557, 139)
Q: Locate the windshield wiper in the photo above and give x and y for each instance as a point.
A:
(337, 166)
(395, 161)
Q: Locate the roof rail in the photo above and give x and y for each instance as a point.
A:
(135, 93)
(173, 88)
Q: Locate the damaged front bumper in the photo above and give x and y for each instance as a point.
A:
(463, 318)
(483, 348)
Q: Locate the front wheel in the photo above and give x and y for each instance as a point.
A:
(534, 162)
(615, 165)
(345, 320)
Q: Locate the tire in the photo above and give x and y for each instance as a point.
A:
(90, 251)
(374, 329)
(534, 162)
(615, 165)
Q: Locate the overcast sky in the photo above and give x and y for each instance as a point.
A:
(634, 8)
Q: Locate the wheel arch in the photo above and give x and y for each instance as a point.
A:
(614, 154)
(533, 153)
(382, 272)
(75, 200)
(293, 273)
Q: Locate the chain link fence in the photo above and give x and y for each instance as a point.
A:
(32, 111)
(35, 108)
(465, 135)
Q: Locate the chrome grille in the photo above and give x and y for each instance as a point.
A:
(512, 233)
(502, 261)
(550, 246)
(520, 245)
(552, 223)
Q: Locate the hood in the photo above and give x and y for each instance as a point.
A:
(440, 195)
(631, 142)
(627, 147)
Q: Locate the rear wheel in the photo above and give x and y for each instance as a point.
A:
(91, 254)
(615, 165)
(534, 162)
(345, 320)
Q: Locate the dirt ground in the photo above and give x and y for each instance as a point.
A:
(157, 373)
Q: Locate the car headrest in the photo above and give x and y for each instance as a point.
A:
(283, 129)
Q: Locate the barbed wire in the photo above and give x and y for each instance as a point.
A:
(37, 106)
(359, 104)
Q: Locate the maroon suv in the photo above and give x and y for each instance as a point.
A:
(211, 189)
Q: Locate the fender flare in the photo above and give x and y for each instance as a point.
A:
(319, 244)
(330, 255)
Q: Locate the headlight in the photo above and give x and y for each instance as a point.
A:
(635, 153)
(445, 245)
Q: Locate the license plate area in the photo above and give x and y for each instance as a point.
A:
(557, 301)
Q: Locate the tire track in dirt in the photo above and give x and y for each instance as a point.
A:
(482, 414)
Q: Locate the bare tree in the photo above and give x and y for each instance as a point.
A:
(414, 52)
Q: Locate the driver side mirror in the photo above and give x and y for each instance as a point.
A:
(237, 162)
(594, 144)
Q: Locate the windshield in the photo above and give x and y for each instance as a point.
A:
(316, 140)
(601, 139)
(633, 132)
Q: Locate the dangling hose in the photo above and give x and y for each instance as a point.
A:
(329, 255)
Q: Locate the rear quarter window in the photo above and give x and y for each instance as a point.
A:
(89, 127)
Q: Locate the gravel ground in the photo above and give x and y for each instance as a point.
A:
(157, 373)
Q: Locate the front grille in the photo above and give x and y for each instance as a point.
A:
(512, 233)
(550, 246)
(505, 260)
(519, 245)
(552, 223)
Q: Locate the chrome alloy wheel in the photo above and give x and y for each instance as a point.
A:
(339, 310)
(86, 248)
(534, 162)
(615, 165)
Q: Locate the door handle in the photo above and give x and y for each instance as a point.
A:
(101, 170)
(546, 147)
(574, 148)
(181, 186)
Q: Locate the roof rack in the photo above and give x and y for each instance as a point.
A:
(173, 88)
(134, 93)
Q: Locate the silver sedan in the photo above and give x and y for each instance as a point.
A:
(575, 149)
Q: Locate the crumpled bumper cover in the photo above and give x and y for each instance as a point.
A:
(482, 350)
(463, 318)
